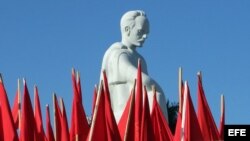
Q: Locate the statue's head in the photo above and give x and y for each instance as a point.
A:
(134, 28)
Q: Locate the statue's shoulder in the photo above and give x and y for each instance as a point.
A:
(116, 49)
(117, 46)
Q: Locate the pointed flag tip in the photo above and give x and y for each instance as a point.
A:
(78, 74)
(73, 70)
(24, 81)
(185, 82)
(199, 73)
(1, 78)
(103, 71)
(139, 61)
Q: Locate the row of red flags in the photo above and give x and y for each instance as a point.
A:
(24, 123)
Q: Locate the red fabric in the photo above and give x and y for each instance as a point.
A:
(182, 91)
(15, 110)
(177, 135)
(205, 117)
(146, 125)
(39, 132)
(64, 123)
(79, 124)
(98, 126)
(126, 123)
(190, 125)
(27, 128)
(1, 125)
(222, 121)
(159, 124)
(57, 120)
(9, 132)
(49, 131)
(138, 103)
(112, 129)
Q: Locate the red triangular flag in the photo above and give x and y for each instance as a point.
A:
(79, 125)
(27, 126)
(39, 133)
(138, 102)
(126, 123)
(190, 125)
(159, 124)
(9, 132)
(98, 125)
(146, 125)
(1, 125)
(222, 118)
(49, 131)
(57, 119)
(64, 123)
(15, 110)
(205, 117)
(177, 135)
(112, 129)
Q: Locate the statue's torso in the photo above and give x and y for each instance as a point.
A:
(120, 88)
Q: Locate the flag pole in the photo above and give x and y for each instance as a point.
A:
(77, 76)
(180, 88)
(54, 109)
(61, 104)
(95, 111)
(77, 138)
(222, 105)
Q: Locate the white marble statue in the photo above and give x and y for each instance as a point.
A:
(121, 60)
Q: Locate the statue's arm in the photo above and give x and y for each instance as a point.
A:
(128, 71)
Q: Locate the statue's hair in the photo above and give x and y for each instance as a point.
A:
(128, 19)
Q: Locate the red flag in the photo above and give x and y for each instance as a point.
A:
(146, 125)
(39, 134)
(1, 125)
(138, 103)
(178, 130)
(177, 135)
(27, 126)
(112, 129)
(222, 118)
(49, 130)
(126, 123)
(79, 124)
(9, 132)
(57, 119)
(15, 110)
(190, 125)
(181, 97)
(78, 85)
(98, 125)
(159, 124)
(205, 117)
(64, 123)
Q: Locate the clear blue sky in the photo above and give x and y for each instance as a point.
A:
(42, 41)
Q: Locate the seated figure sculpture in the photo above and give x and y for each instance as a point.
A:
(121, 60)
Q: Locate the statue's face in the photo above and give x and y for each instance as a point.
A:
(139, 32)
